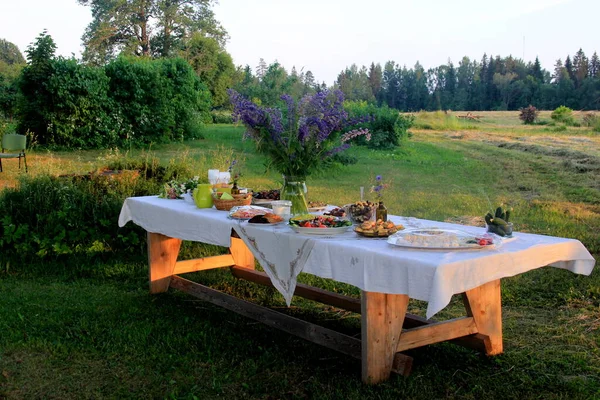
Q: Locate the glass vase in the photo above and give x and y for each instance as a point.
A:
(294, 189)
(381, 212)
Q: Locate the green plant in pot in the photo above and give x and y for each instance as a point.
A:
(498, 222)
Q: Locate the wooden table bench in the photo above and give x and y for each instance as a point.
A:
(387, 329)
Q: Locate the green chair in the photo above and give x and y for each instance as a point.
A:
(12, 142)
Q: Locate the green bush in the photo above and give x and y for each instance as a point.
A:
(49, 217)
(76, 216)
(154, 100)
(80, 113)
(221, 117)
(130, 100)
(563, 114)
(388, 127)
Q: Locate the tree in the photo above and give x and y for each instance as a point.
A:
(536, 71)
(594, 66)
(32, 108)
(375, 79)
(504, 83)
(132, 27)
(580, 67)
(10, 53)
(11, 64)
(569, 68)
(212, 64)
(261, 69)
(558, 71)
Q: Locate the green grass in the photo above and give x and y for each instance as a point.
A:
(69, 330)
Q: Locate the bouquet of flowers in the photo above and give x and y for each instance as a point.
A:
(175, 189)
(298, 139)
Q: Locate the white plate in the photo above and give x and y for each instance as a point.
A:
(255, 210)
(262, 202)
(397, 239)
(320, 231)
(317, 209)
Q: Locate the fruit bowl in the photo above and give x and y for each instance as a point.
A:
(361, 211)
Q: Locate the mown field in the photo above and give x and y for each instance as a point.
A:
(70, 331)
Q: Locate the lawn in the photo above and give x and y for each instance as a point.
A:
(74, 330)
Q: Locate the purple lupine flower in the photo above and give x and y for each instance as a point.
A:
(336, 150)
(298, 145)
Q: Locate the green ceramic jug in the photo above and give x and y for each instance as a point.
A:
(203, 195)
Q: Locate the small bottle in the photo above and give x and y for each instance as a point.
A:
(235, 189)
(381, 212)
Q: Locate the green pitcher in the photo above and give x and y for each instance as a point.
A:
(203, 195)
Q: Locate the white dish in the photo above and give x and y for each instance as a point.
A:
(262, 202)
(316, 209)
(250, 210)
(436, 239)
(320, 231)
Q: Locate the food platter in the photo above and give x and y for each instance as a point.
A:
(317, 209)
(247, 212)
(266, 219)
(319, 225)
(378, 229)
(371, 234)
(440, 239)
(320, 231)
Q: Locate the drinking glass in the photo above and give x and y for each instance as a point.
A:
(213, 176)
(224, 177)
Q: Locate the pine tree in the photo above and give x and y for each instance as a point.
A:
(580, 67)
(569, 68)
(375, 79)
(594, 66)
(536, 71)
(558, 69)
(261, 69)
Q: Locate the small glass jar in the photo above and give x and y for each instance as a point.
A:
(282, 208)
(381, 212)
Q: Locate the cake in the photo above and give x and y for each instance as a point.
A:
(429, 238)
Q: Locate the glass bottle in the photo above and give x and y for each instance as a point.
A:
(234, 188)
(381, 212)
(293, 190)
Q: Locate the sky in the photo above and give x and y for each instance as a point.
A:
(326, 36)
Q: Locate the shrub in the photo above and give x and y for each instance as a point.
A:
(154, 100)
(76, 216)
(49, 217)
(221, 117)
(528, 114)
(563, 114)
(388, 127)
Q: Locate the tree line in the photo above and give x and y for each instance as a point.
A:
(494, 83)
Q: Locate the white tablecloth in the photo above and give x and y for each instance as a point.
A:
(370, 264)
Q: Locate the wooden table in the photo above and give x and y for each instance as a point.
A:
(387, 329)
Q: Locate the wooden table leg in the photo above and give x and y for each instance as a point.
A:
(162, 256)
(242, 256)
(382, 318)
(485, 306)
